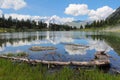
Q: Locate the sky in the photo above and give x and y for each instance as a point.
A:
(60, 10)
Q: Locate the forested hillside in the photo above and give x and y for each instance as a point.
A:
(111, 20)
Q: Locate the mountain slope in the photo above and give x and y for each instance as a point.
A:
(115, 16)
(114, 21)
(77, 23)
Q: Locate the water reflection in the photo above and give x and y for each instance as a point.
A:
(59, 38)
(99, 45)
(16, 42)
(113, 39)
(73, 49)
(22, 41)
(33, 38)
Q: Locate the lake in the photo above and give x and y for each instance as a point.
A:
(23, 41)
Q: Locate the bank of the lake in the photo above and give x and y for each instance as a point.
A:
(10, 30)
(23, 41)
(112, 38)
(22, 71)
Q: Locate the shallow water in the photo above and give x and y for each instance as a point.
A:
(22, 41)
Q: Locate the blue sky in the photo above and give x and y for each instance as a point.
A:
(58, 8)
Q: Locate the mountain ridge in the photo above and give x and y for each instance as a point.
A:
(115, 16)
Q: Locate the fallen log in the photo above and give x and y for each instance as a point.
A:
(91, 63)
(60, 63)
(116, 71)
(101, 55)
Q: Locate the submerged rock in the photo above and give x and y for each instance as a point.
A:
(73, 49)
(41, 48)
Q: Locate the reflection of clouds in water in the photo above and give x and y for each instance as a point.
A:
(2, 47)
(22, 43)
(54, 39)
(73, 50)
(99, 45)
(58, 38)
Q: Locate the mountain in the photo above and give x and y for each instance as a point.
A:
(77, 23)
(115, 16)
(111, 23)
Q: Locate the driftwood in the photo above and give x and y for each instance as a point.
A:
(116, 71)
(101, 55)
(60, 63)
(101, 59)
(41, 48)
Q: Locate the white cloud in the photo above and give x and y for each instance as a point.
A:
(52, 19)
(12, 4)
(100, 13)
(82, 9)
(18, 16)
(77, 9)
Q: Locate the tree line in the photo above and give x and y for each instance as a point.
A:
(103, 23)
(23, 25)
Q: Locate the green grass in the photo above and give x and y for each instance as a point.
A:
(2, 30)
(22, 54)
(19, 54)
(22, 71)
(9, 54)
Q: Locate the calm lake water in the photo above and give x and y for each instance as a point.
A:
(23, 41)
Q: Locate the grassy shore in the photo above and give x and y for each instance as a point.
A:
(22, 71)
(4, 30)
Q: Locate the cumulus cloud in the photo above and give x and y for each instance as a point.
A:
(18, 16)
(12, 4)
(82, 9)
(100, 13)
(77, 9)
(51, 19)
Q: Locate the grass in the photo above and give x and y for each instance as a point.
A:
(112, 28)
(23, 71)
(7, 30)
(9, 54)
(19, 54)
(22, 54)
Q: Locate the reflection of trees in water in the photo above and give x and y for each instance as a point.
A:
(112, 39)
(19, 36)
(21, 39)
(97, 37)
(54, 37)
(12, 40)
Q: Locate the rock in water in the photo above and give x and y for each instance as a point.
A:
(41, 48)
